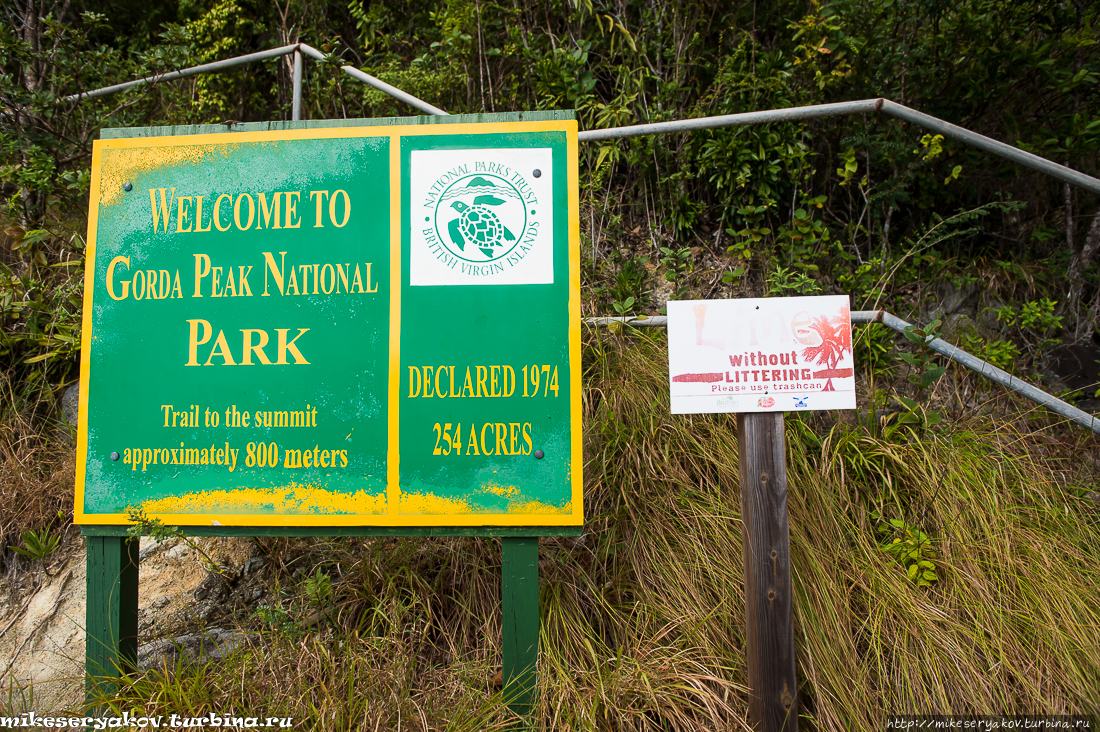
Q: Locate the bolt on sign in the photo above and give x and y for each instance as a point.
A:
(361, 326)
(784, 354)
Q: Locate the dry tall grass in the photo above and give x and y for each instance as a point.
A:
(37, 468)
(642, 624)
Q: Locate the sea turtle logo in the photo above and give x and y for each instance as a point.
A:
(481, 218)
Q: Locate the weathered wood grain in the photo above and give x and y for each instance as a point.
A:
(769, 624)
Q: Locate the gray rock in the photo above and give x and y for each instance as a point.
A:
(1075, 364)
(198, 612)
(70, 404)
(213, 643)
(213, 586)
(1090, 405)
(254, 564)
(950, 299)
(987, 315)
(151, 546)
(956, 326)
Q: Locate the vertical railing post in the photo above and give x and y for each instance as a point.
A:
(296, 104)
(111, 618)
(765, 536)
(520, 602)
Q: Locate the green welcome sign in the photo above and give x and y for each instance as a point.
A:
(345, 326)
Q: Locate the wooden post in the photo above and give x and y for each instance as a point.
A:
(111, 617)
(520, 600)
(769, 624)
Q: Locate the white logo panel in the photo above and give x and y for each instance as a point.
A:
(481, 217)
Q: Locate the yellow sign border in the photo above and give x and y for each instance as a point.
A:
(392, 518)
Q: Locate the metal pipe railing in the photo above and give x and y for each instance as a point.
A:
(378, 84)
(986, 369)
(296, 101)
(296, 107)
(732, 120)
(312, 52)
(184, 73)
(653, 321)
(956, 354)
(990, 145)
(789, 114)
(893, 109)
(393, 91)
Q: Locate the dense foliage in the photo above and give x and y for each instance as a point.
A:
(864, 205)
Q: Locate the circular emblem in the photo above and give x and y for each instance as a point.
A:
(766, 402)
(480, 218)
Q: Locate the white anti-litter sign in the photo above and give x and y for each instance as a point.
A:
(761, 355)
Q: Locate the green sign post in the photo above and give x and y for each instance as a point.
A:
(312, 329)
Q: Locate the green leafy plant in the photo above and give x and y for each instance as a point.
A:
(318, 588)
(277, 618)
(679, 264)
(864, 282)
(910, 546)
(874, 351)
(142, 525)
(924, 371)
(752, 233)
(912, 417)
(38, 546)
(318, 592)
(748, 240)
(627, 290)
(915, 416)
(1002, 354)
(799, 240)
(1034, 323)
(783, 282)
(1034, 316)
(624, 307)
(931, 147)
(848, 171)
